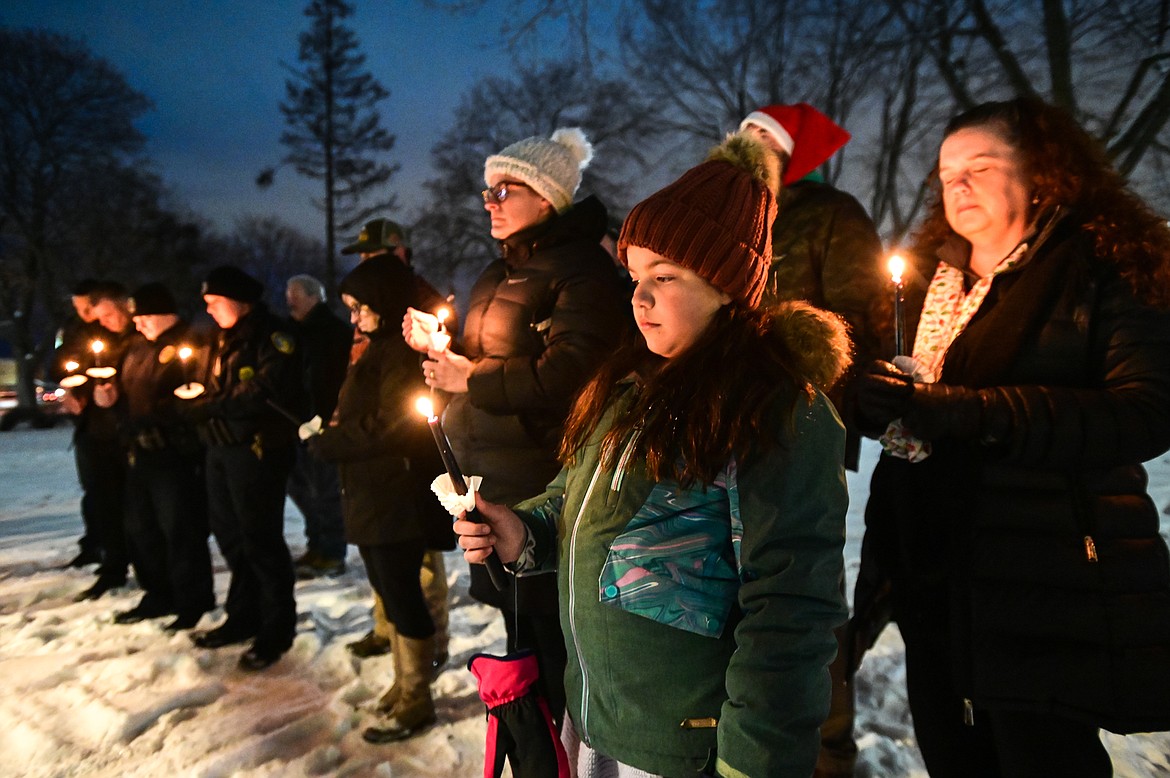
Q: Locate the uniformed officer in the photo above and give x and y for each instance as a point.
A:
(97, 436)
(249, 417)
(72, 357)
(166, 506)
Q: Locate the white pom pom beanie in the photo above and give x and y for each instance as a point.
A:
(551, 166)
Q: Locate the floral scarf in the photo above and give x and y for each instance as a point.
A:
(946, 312)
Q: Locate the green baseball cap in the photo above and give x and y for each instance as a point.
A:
(378, 235)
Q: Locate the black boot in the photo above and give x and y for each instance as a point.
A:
(262, 654)
(184, 620)
(225, 634)
(102, 585)
(147, 608)
(87, 556)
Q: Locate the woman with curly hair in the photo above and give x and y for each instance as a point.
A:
(1009, 509)
(697, 525)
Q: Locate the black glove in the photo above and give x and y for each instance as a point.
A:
(195, 411)
(942, 411)
(882, 394)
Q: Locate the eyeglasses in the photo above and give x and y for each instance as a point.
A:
(499, 193)
(357, 309)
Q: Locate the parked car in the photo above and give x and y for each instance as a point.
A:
(50, 409)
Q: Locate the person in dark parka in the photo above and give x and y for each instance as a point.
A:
(372, 438)
(247, 418)
(541, 319)
(1009, 508)
(325, 342)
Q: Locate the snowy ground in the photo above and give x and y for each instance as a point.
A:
(82, 696)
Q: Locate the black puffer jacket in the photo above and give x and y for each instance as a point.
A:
(540, 320)
(1039, 554)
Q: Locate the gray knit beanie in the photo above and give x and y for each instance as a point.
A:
(551, 166)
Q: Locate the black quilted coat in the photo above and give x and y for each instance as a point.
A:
(1038, 555)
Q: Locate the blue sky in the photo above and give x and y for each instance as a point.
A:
(212, 68)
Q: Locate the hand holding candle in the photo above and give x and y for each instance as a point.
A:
(897, 266)
(189, 390)
(98, 371)
(74, 379)
(494, 567)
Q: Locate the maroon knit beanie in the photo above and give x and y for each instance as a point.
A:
(715, 220)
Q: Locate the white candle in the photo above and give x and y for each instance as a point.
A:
(897, 266)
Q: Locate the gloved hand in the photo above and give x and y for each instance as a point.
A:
(310, 428)
(942, 411)
(195, 411)
(882, 394)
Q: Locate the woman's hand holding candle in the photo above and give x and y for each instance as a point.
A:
(418, 327)
(447, 371)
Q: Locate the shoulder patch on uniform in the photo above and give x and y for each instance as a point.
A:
(247, 372)
(284, 343)
(166, 355)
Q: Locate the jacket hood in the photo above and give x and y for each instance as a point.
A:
(383, 283)
(818, 341)
(584, 221)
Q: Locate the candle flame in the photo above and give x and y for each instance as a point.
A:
(97, 346)
(425, 407)
(185, 353)
(442, 314)
(71, 366)
(896, 266)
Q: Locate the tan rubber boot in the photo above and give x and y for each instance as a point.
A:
(415, 711)
(433, 578)
(382, 625)
(388, 700)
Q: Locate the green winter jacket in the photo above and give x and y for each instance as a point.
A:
(663, 699)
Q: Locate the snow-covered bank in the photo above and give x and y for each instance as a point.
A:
(84, 697)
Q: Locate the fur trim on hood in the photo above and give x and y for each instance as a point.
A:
(817, 339)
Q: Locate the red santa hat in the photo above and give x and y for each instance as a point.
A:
(807, 135)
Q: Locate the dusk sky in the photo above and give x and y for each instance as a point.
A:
(212, 69)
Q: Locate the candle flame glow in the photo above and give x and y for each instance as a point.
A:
(71, 366)
(896, 266)
(185, 353)
(97, 346)
(442, 315)
(425, 407)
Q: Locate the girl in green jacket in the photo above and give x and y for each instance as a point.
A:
(697, 524)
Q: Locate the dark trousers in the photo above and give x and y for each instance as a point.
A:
(166, 526)
(315, 488)
(101, 469)
(542, 633)
(1000, 743)
(245, 500)
(393, 572)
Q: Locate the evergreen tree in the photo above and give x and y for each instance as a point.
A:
(335, 131)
